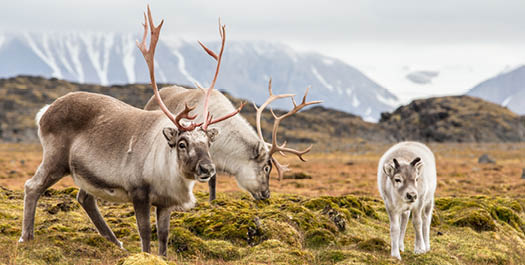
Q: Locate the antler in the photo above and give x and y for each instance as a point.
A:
(208, 117)
(274, 146)
(266, 103)
(149, 55)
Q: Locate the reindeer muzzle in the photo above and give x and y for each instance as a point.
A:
(205, 171)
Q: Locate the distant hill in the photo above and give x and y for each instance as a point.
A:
(108, 58)
(456, 119)
(507, 89)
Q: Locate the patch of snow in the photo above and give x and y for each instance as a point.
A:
(349, 91)
(182, 67)
(128, 58)
(60, 50)
(99, 59)
(328, 61)
(388, 101)
(355, 102)
(367, 117)
(44, 54)
(74, 52)
(370, 119)
(321, 79)
(2, 40)
(506, 101)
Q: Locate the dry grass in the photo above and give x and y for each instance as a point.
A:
(334, 174)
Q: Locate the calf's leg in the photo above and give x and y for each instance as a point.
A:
(395, 219)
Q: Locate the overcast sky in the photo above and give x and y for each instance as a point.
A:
(465, 41)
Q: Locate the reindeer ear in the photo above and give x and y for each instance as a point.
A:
(389, 169)
(258, 151)
(417, 164)
(212, 134)
(171, 135)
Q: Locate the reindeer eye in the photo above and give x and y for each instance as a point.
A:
(267, 169)
(397, 180)
(182, 145)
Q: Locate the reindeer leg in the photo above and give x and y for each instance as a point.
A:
(163, 227)
(212, 184)
(89, 204)
(403, 228)
(142, 206)
(44, 178)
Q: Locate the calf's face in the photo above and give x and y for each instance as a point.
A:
(193, 151)
(404, 178)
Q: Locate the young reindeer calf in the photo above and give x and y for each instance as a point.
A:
(406, 178)
(124, 154)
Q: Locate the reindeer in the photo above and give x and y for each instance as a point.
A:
(239, 150)
(406, 177)
(123, 154)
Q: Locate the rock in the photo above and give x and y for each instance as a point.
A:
(298, 175)
(523, 174)
(485, 159)
(350, 163)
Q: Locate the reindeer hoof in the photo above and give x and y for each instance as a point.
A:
(121, 245)
(419, 250)
(397, 256)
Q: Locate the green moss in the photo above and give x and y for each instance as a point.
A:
(50, 254)
(184, 243)
(275, 252)
(143, 259)
(220, 249)
(508, 216)
(331, 256)
(373, 244)
(287, 229)
(283, 232)
(479, 220)
(318, 238)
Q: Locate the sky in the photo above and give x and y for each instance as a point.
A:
(462, 42)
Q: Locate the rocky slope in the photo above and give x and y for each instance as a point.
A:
(456, 119)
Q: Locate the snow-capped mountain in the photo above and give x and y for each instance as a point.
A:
(507, 89)
(108, 58)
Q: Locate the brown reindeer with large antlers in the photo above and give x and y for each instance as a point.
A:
(120, 153)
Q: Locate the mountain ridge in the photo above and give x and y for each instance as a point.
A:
(111, 58)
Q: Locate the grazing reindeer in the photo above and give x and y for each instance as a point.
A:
(117, 152)
(238, 150)
(406, 178)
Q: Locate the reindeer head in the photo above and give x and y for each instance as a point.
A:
(404, 178)
(191, 141)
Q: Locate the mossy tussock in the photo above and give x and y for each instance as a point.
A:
(286, 229)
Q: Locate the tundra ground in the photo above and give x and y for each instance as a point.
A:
(334, 217)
